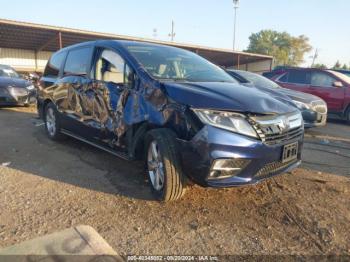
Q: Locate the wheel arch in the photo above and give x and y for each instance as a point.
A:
(43, 107)
(136, 146)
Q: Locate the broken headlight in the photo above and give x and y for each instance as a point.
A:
(234, 122)
(31, 87)
(18, 91)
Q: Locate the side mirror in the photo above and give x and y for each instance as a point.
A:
(338, 84)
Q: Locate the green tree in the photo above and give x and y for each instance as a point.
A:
(337, 65)
(286, 49)
(320, 66)
(345, 67)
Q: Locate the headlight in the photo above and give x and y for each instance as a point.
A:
(301, 105)
(226, 120)
(31, 87)
(17, 91)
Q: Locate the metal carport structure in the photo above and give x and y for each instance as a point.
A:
(27, 46)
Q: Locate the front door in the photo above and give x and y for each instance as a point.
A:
(322, 85)
(113, 86)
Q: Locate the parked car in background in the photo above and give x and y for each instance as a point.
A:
(345, 72)
(15, 90)
(313, 108)
(333, 87)
(186, 117)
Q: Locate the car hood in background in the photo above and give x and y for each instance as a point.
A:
(287, 94)
(298, 96)
(14, 82)
(226, 96)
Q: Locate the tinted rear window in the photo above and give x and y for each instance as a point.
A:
(53, 66)
(78, 61)
(296, 77)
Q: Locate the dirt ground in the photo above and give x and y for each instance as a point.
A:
(47, 186)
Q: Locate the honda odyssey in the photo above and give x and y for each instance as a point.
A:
(186, 117)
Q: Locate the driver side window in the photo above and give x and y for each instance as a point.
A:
(111, 67)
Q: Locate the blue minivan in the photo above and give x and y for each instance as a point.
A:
(184, 116)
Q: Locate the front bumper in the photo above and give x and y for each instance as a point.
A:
(211, 143)
(7, 99)
(313, 118)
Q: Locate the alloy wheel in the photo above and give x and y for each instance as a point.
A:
(50, 121)
(155, 166)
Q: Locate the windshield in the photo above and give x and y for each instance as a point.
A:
(169, 63)
(258, 80)
(342, 76)
(8, 72)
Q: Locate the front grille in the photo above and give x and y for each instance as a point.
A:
(272, 139)
(319, 106)
(280, 129)
(273, 168)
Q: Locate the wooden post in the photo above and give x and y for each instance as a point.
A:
(60, 40)
(238, 61)
(271, 62)
(36, 60)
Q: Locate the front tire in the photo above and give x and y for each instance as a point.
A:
(52, 124)
(167, 180)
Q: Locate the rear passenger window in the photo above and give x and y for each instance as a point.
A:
(298, 77)
(284, 78)
(53, 66)
(78, 61)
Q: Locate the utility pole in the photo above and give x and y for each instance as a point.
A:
(235, 6)
(172, 34)
(314, 57)
(155, 31)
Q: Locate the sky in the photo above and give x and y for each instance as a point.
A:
(202, 22)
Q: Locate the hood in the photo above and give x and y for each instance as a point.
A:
(226, 96)
(274, 92)
(298, 96)
(14, 82)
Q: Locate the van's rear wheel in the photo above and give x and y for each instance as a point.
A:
(52, 124)
(163, 165)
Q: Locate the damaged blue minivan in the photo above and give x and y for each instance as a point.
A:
(184, 116)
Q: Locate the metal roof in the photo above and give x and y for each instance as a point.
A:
(30, 36)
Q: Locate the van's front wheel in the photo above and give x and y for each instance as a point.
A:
(163, 165)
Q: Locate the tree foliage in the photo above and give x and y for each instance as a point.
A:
(286, 49)
(320, 66)
(337, 65)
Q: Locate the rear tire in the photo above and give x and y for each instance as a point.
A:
(347, 116)
(52, 123)
(163, 163)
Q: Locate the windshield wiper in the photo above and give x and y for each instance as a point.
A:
(174, 79)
